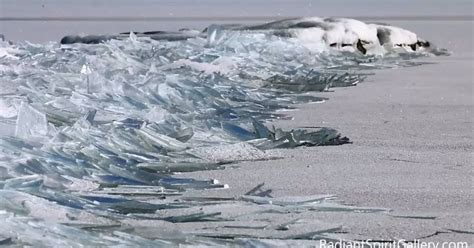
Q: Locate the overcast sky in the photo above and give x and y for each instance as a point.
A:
(43, 30)
(64, 8)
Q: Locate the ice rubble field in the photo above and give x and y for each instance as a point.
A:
(91, 135)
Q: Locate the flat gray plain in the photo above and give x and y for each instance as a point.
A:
(412, 150)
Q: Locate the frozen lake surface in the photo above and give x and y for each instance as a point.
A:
(98, 132)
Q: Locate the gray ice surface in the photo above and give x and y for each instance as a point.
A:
(412, 130)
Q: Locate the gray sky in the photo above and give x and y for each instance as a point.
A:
(202, 8)
(44, 29)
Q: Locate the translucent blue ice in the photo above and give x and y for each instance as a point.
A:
(97, 132)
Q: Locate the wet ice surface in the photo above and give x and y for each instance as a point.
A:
(91, 135)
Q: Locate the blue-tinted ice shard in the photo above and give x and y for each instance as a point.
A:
(92, 136)
(30, 123)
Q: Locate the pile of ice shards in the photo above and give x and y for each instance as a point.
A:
(91, 135)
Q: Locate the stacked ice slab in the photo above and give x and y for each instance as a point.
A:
(92, 136)
(336, 33)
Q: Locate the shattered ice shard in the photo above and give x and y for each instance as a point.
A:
(86, 71)
(30, 123)
(133, 110)
(215, 34)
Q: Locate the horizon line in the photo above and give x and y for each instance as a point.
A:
(230, 18)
